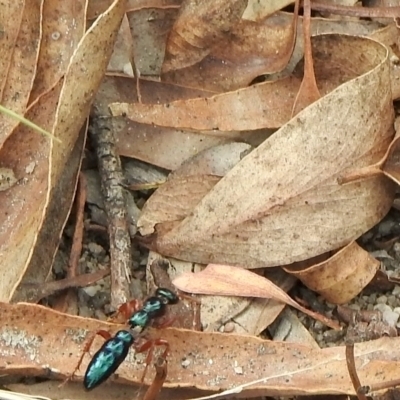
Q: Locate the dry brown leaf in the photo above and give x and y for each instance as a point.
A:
(61, 111)
(247, 363)
(266, 105)
(16, 86)
(164, 147)
(224, 280)
(259, 9)
(11, 18)
(59, 39)
(389, 36)
(308, 92)
(57, 212)
(198, 27)
(249, 49)
(149, 30)
(341, 277)
(282, 203)
(189, 184)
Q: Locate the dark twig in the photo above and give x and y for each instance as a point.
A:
(159, 379)
(351, 367)
(109, 165)
(76, 249)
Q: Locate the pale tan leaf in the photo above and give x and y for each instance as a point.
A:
(175, 199)
(225, 280)
(276, 368)
(341, 277)
(282, 203)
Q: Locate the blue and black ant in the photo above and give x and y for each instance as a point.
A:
(115, 349)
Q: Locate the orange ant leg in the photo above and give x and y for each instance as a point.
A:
(149, 345)
(104, 334)
(127, 309)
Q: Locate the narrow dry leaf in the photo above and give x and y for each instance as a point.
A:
(23, 205)
(57, 212)
(263, 312)
(275, 368)
(59, 39)
(225, 280)
(11, 18)
(198, 27)
(308, 92)
(164, 147)
(21, 70)
(266, 105)
(282, 203)
(175, 200)
(61, 111)
(341, 277)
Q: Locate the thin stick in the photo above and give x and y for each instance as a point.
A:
(109, 165)
(351, 367)
(159, 379)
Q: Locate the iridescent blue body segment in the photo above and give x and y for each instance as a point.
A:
(106, 361)
(168, 296)
(114, 350)
(153, 307)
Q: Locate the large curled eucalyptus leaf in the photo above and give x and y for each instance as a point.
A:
(282, 203)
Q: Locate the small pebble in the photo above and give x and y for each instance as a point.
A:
(382, 307)
(229, 327)
(96, 249)
(390, 317)
(355, 307)
(396, 249)
(382, 299)
(318, 325)
(372, 298)
(91, 290)
(386, 227)
(392, 300)
(333, 335)
(396, 290)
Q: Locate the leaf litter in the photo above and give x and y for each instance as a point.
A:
(299, 200)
